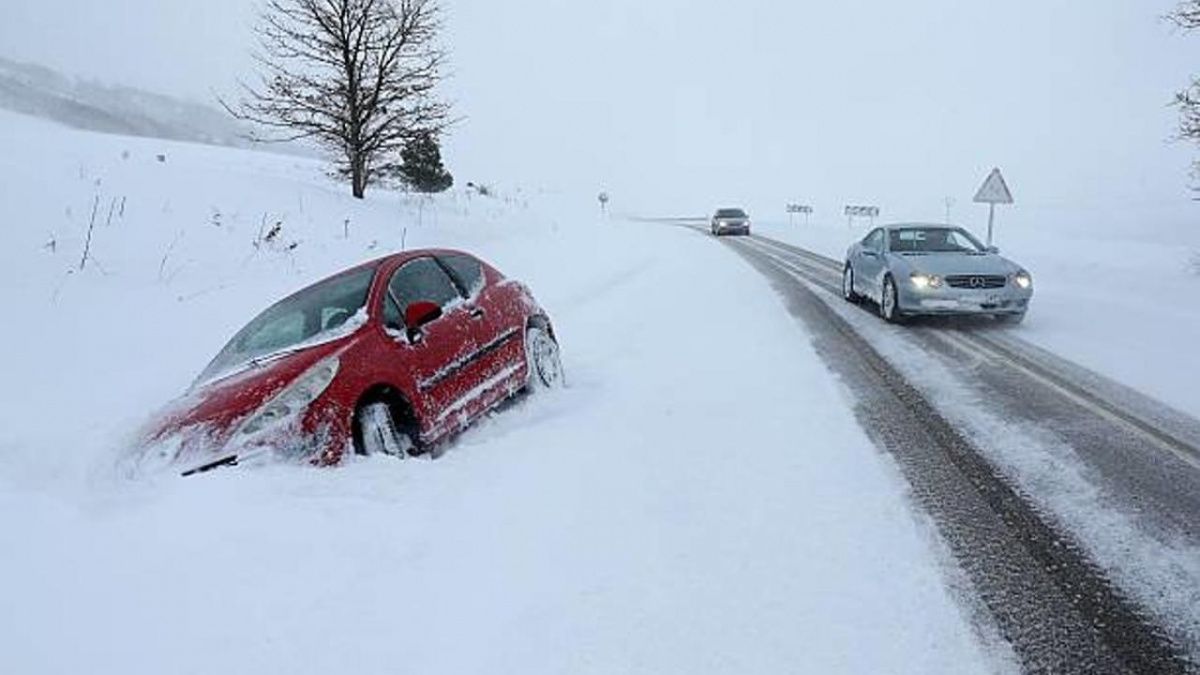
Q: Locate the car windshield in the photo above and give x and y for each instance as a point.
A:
(731, 213)
(933, 240)
(312, 316)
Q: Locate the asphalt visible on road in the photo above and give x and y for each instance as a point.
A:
(1030, 574)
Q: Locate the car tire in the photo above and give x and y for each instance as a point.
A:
(848, 293)
(543, 360)
(889, 301)
(379, 434)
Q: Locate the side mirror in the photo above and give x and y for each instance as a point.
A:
(992, 249)
(420, 313)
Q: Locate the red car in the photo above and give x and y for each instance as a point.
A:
(389, 357)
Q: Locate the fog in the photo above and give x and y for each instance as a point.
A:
(674, 107)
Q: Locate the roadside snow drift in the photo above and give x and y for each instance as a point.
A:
(698, 500)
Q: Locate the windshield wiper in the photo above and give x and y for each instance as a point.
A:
(260, 361)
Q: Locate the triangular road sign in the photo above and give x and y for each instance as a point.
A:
(994, 190)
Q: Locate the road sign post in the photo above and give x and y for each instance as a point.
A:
(793, 209)
(993, 191)
(866, 211)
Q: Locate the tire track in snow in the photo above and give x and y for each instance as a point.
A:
(1058, 609)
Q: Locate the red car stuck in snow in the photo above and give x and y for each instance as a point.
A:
(389, 357)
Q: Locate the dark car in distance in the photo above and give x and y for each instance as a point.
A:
(730, 221)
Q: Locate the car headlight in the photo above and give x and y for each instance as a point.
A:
(925, 280)
(1022, 279)
(294, 398)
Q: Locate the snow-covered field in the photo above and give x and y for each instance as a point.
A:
(699, 499)
(1119, 299)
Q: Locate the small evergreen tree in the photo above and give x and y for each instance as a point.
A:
(422, 168)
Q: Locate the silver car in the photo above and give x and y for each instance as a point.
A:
(916, 269)
(730, 221)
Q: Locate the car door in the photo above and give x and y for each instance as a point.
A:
(495, 332)
(438, 354)
(870, 263)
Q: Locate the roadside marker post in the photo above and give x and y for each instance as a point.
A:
(993, 191)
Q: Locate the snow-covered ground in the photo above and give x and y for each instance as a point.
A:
(700, 499)
(1119, 300)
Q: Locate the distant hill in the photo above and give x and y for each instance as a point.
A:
(39, 91)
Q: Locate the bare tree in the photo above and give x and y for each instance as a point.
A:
(1186, 16)
(356, 76)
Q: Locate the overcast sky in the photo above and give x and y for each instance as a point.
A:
(675, 106)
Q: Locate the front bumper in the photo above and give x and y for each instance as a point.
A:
(942, 301)
(732, 229)
(319, 436)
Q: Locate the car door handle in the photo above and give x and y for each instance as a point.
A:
(477, 313)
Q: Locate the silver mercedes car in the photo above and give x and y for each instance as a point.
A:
(915, 269)
(730, 221)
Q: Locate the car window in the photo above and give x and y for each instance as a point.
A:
(280, 331)
(961, 240)
(934, 240)
(731, 213)
(420, 280)
(467, 272)
(332, 317)
(874, 240)
(300, 319)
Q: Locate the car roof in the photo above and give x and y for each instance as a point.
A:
(927, 226)
(391, 260)
(402, 257)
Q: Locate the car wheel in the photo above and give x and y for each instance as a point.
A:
(889, 301)
(1011, 319)
(543, 359)
(379, 433)
(848, 285)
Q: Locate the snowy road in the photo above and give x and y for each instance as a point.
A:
(1071, 501)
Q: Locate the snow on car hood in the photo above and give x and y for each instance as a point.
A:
(218, 405)
(943, 264)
